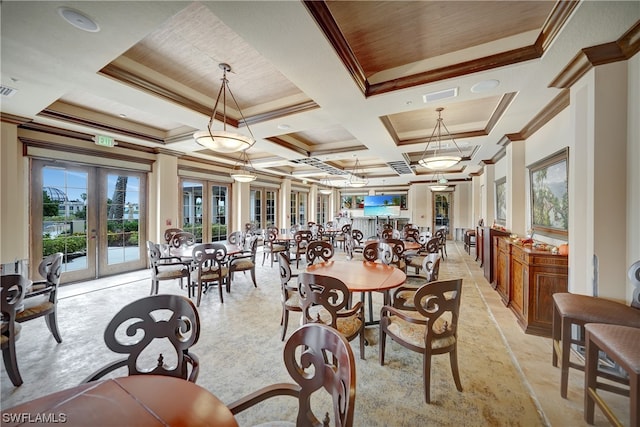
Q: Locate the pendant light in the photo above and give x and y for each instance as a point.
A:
(224, 141)
(357, 178)
(439, 161)
(242, 171)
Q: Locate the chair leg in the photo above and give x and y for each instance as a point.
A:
(220, 285)
(199, 294)
(264, 255)
(52, 323)
(11, 363)
(564, 361)
(426, 374)
(453, 360)
(284, 322)
(153, 287)
(382, 344)
(253, 277)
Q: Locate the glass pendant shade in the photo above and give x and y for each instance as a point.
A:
(224, 141)
(357, 179)
(242, 171)
(437, 161)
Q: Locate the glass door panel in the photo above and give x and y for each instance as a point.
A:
(63, 220)
(192, 202)
(219, 212)
(442, 211)
(123, 218)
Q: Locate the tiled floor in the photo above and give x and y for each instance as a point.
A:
(531, 354)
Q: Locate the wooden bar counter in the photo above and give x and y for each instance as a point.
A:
(526, 279)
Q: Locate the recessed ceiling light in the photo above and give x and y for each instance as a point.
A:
(485, 86)
(284, 126)
(78, 19)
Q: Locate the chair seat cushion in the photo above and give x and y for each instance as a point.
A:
(275, 248)
(588, 309)
(170, 274)
(4, 339)
(414, 333)
(293, 301)
(242, 264)
(31, 310)
(213, 274)
(347, 326)
(416, 261)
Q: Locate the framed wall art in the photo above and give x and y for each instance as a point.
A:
(548, 181)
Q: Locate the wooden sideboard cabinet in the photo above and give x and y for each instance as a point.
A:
(488, 253)
(503, 261)
(534, 277)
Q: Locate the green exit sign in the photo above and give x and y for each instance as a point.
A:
(105, 141)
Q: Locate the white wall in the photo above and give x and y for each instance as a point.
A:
(633, 169)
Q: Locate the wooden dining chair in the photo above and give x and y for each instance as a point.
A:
(432, 246)
(165, 267)
(391, 252)
(370, 251)
(11, 298)
(431, 271)
(182, 239)
(301, 240)
(318, 358)
(210, 264)
(289, 291)
(429, 326)
(327, 300)
(244, 261)
(318, 250)
(271, 246)
(42, 298)
(153, 320)
(236, 238)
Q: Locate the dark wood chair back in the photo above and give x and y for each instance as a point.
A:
(370, 251)
(319, 250)
(236, 238)
(182, 238)
(318, 358)
(170, 318)
(11, 299)
(169, 232)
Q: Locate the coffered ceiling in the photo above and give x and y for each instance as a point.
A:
(320, 84)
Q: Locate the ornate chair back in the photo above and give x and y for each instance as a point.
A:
(182, 239)
(386, 233)
(11, 299)
(431, 266)
(236, 238)
(370, 251)
(169, 232)
(148, 318)
(319, 250)
(318, 358)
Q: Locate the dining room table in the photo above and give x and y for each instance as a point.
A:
(136, 400)
(362, 276)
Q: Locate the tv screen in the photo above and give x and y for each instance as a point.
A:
(383, 205)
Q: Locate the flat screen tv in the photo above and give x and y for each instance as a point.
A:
(382, 205)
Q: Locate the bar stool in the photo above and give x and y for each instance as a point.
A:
(572, 309)
(622, 345)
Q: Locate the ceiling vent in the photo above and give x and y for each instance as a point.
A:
(315, 162)
(437, 96)
(7, 92)
(401, 167)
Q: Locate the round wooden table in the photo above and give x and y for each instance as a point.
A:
(362, 276)
(137, 400)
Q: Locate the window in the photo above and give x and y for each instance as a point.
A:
(195, 215)
(262, 208)
(298, 208)
(322, 209)
(352, 201)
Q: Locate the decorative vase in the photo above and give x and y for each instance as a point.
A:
(563, 249)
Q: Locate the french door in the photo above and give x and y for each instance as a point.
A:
(95, 216)
(443, 211)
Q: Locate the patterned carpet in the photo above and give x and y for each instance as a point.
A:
(240, 350)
